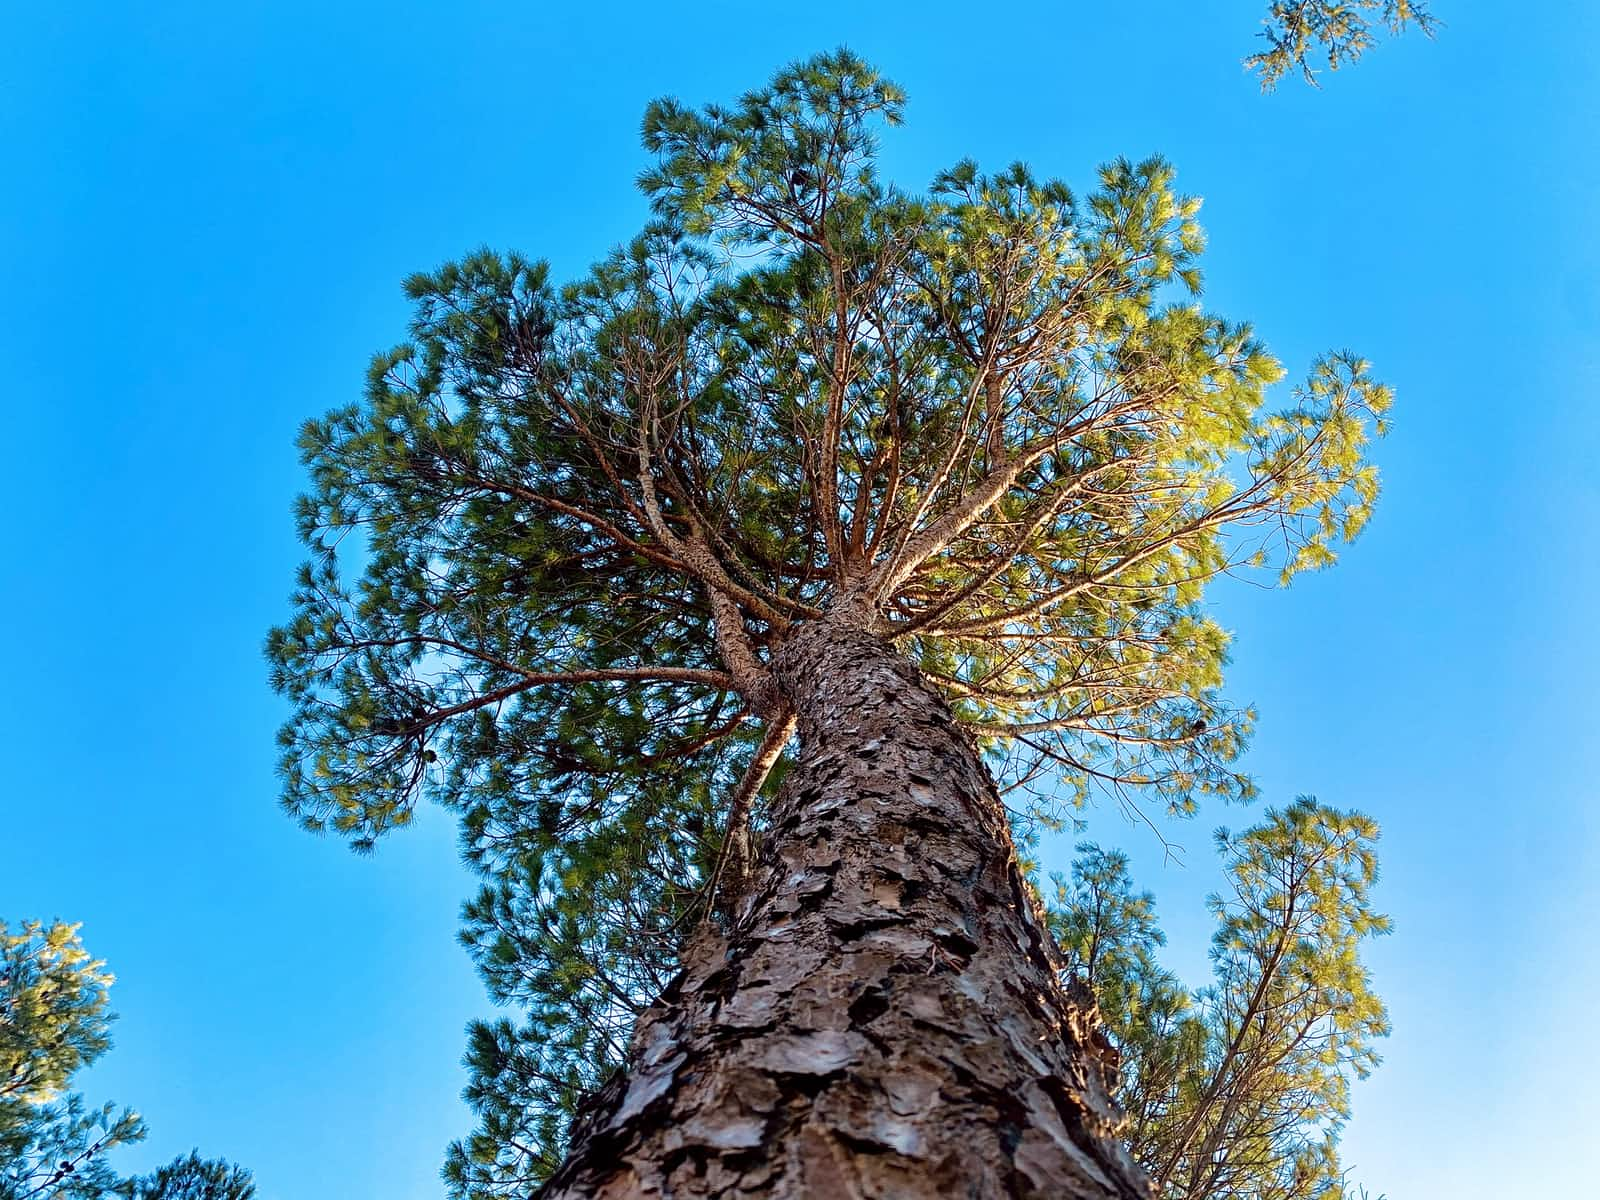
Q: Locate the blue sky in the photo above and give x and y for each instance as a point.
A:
(205, 217)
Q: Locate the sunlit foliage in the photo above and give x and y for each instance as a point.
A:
(53, 1023)
(1299, 32)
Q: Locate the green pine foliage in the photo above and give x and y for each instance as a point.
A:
(192, 1178)
(554, 545)
(54, 1022)
(1239, 1091)
(1298, 31)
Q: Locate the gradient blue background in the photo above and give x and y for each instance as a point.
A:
(205, 212)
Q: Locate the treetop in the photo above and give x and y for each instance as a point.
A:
(994, 415)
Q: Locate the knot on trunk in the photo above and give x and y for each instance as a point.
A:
(1089, 1031)
(738, 872)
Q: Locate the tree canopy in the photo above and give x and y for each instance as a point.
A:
(555, 545)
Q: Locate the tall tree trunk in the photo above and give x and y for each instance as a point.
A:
(882, 1015)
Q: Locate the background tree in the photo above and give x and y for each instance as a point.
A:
(1299, 30)
(1240, 1090)
(192, 1178)
(806, 435)
(54, 1021)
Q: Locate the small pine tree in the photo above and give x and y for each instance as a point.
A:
(54, 1021)
(192, 1178)
(1238, 1091)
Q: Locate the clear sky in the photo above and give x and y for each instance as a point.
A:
(205, 212)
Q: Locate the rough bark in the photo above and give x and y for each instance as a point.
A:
(881, 1015)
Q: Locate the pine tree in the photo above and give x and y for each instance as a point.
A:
(54, 1022)
(1239, 1091)
(192, 1178)
(703, 587)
